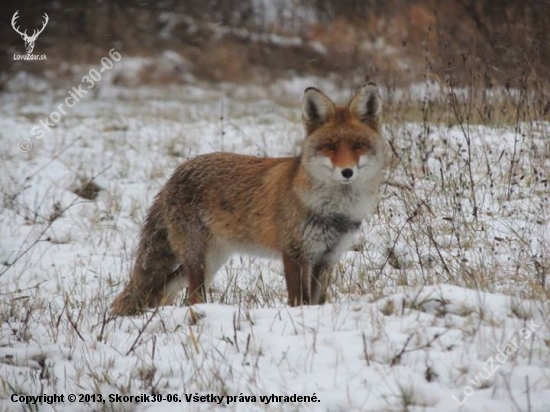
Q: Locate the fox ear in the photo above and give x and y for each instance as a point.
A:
(366, 105)
(317, 109)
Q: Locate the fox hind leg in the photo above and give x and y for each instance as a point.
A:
(202, 266)
(200, 256)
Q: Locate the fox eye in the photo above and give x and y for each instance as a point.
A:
(358, 145)
(330, 146)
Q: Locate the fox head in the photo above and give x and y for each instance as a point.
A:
(343, 144)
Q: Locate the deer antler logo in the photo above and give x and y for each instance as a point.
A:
(29, 40)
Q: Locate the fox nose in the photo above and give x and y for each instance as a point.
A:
(347, 173)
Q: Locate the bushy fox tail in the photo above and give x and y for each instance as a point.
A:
(153, 272)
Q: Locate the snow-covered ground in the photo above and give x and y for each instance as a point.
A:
(444, 302)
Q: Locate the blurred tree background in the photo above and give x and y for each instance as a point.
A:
(398, 42)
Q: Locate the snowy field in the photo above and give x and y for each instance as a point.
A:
(442, 306)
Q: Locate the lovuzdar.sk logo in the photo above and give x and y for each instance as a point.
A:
(29, 40)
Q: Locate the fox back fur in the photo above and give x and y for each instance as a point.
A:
(303, 209)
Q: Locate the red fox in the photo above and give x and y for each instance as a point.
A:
(303, 209)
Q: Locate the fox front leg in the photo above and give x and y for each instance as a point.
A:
(298, 281)
(320, 278)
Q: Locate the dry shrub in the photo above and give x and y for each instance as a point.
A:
(222, 61)
(481, 42)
